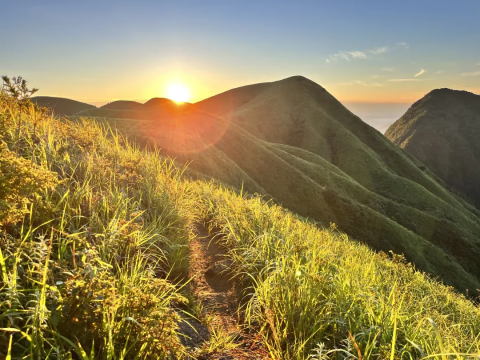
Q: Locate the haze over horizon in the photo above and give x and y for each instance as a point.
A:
(124, 51)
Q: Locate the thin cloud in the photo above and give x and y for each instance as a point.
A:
(357, 54)
(359, 82)
(375, 84)
(388, 69)
(475, 73)
(402, 80)
(421, 72)
(347, 55)
(364, 54)
(438, 72)
(379, 50)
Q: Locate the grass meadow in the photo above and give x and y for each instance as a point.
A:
(94, 244)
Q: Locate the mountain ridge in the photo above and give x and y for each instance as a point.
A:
(339, 170)
(442, 130)
(62, 106)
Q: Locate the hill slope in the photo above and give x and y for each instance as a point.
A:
(442, 130)
(62, 106)
(123, 104)
(293, 142)
(96, 235)
(153, 109)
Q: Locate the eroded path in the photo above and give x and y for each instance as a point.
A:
(221, 334)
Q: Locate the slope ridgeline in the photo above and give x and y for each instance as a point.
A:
(62, 106)
(292, 141)
(442, 130)
(96, 236)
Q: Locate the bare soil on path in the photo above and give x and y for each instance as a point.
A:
(217, 293)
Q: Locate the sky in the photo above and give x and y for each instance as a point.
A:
(374, 52)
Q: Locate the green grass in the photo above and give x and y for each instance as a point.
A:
(441, 130)
(95, 260)
(314, 287)
(90, 265)
(62, 106)
(340, 170)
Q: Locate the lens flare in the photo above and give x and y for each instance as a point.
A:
(178, 93)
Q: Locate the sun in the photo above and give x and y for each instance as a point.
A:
(178, 93)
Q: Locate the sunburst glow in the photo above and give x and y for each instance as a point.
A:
(178, 93)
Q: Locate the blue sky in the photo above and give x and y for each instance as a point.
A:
(98, 51)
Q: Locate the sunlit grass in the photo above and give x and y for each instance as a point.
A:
(87, 269)
(95, 258)
(317, 292)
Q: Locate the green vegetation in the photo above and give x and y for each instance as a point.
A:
(443, 132)
(340, 170)
(123, 104)
(61, 106)
(317, 292)
(86, 269)
(94, 261)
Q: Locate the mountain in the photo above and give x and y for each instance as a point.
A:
(153, 109)
(62, 106)
(293, 142)
(442, 130)
(113, 252)
(122, 104)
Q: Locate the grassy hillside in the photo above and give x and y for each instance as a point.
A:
(442, 130)
(62, 106)
(94, 254)
(153, 109)
(95, 233)
(123, 104)
(340, 170)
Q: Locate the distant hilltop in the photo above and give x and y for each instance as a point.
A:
(62, 106)
(442, 130)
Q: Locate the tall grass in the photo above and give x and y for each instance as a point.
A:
(316, 294)
(87, 261)
(94, 254)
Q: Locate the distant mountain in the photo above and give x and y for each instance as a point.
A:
(62, 106)
(153, 109)
(122, 104)
(293, 142)
(442, 130)
(156, 102)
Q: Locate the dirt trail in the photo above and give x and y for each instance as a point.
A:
(213, 288)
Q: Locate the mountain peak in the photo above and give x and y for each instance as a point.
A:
(446, 93)
(441, 131)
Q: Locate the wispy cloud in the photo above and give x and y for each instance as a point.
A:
(402, 80)
(438, 72)
(360, 82)
(475, 73)
(421, 72)
(347, 55)
(388, 69)
(375, 84)
(379, 50)
(364, 54)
